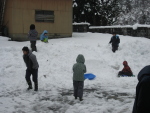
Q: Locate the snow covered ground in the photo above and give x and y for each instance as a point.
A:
(106, 94)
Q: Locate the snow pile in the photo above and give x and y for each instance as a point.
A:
(140, 25)
(74, 4)
(121, 26)
(82, 23)
(105, 94)
(135, 26)
(115, 26)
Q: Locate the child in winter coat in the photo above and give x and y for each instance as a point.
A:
(44, 37)
(32, 68)
(126, 70)
(115, 40)
(78, 76)
(142, 98)
(32, 35)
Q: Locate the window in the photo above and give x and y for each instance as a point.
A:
(44, 16)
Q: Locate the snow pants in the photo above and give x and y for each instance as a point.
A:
(34, 73)
(124, 73)
(114, 48)
(78, 88)
(33, 45)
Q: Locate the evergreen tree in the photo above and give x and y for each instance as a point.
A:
(109, 11)
(134, 11)
(96, 12)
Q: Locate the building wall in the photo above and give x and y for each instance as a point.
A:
(8, 16)
(20, 14)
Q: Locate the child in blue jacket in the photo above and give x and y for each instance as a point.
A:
(44, 37)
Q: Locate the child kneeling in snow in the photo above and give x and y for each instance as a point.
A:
(44, 37)
(126, 70)
(78, 76)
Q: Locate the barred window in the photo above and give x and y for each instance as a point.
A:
(44, 16)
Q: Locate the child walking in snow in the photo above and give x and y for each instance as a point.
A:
(115, 40)
(44, 37)
(32, 35)
(78, 76)
(32, 68)
(126, 70)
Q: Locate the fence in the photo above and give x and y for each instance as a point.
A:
(135, 30)
(81, 27)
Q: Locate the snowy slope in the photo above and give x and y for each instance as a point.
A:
(105, 94)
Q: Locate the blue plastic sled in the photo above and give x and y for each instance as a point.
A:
(89, 76)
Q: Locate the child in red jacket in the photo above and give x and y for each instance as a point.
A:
(126, 70)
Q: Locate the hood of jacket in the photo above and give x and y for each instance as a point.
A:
(42, 35)
(30, 52)
(144, 72)
(45, 31)
(80, 59)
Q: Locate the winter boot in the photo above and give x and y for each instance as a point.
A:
(35, 86)
(30, 85)
(75, 97)
(80, 99)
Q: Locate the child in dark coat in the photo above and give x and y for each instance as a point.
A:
(142, 98)
(115, 40)
(78, 76)
(32, 35)
(32, 68)
(126, 70)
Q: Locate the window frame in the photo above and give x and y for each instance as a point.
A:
(44, 16)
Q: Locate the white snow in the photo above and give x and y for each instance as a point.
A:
(115, 26)
(106, 94)
(82, 23)
(135, 26)
(75, 4)
(82, 12)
